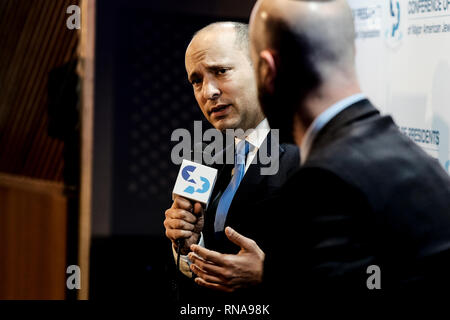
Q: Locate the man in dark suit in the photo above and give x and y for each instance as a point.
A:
(219, 67)
(375, 209)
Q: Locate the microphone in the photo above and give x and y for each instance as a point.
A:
(195, 181)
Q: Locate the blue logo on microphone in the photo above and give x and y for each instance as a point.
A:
(202, 184)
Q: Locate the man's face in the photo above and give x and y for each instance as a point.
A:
(223, 80)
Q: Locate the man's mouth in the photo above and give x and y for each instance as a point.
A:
(220, 110)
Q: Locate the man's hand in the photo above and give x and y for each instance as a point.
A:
(228, 272)
(184, 221)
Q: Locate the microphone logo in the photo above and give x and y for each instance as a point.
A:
(200, 184)
(195, 182)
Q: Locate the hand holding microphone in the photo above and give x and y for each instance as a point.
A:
(184, 222)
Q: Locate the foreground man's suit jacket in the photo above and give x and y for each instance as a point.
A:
(369, 196)
(245, 215)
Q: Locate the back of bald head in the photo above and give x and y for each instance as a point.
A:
(320, 33)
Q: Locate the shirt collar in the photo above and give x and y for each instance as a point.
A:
(258, 135)
(323, 119)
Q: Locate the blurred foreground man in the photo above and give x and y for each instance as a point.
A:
(375, 209)
(219, 68)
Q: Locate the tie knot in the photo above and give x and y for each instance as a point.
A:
(242, 150)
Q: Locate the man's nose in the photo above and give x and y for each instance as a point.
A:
(211, 90)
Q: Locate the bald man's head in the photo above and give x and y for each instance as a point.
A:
(241, 35)
(219, 68)
(297, 46)
(322, 29)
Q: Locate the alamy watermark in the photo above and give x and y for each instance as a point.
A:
(74, 279)
(74, 20)
(208, 147)
(374, 280)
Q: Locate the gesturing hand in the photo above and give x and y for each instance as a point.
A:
(228, 272)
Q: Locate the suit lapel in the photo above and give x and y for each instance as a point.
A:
(253, 179)
(251, 183)
(223, 179)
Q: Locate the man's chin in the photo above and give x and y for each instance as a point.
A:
(224, 124)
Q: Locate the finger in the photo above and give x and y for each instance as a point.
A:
(240, 240)
(198, 209)
(206, 276)
(175, 234)
(209, 255)
(208, 266)
(178, 224)
(182, 203)
(214, 286)
(181, 214)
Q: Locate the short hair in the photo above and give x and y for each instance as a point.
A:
(241, 33)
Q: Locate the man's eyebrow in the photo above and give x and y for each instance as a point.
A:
(212, 67)
(215, 67)
(193, 75)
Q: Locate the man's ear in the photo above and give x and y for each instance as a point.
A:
(268, 70)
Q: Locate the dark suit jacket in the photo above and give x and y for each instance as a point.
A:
(246, 214)
(255, 189)
(369, 196)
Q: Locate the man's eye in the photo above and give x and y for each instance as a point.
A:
(222, 71)
(195, 81)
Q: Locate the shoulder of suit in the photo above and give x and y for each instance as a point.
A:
(290, 149)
